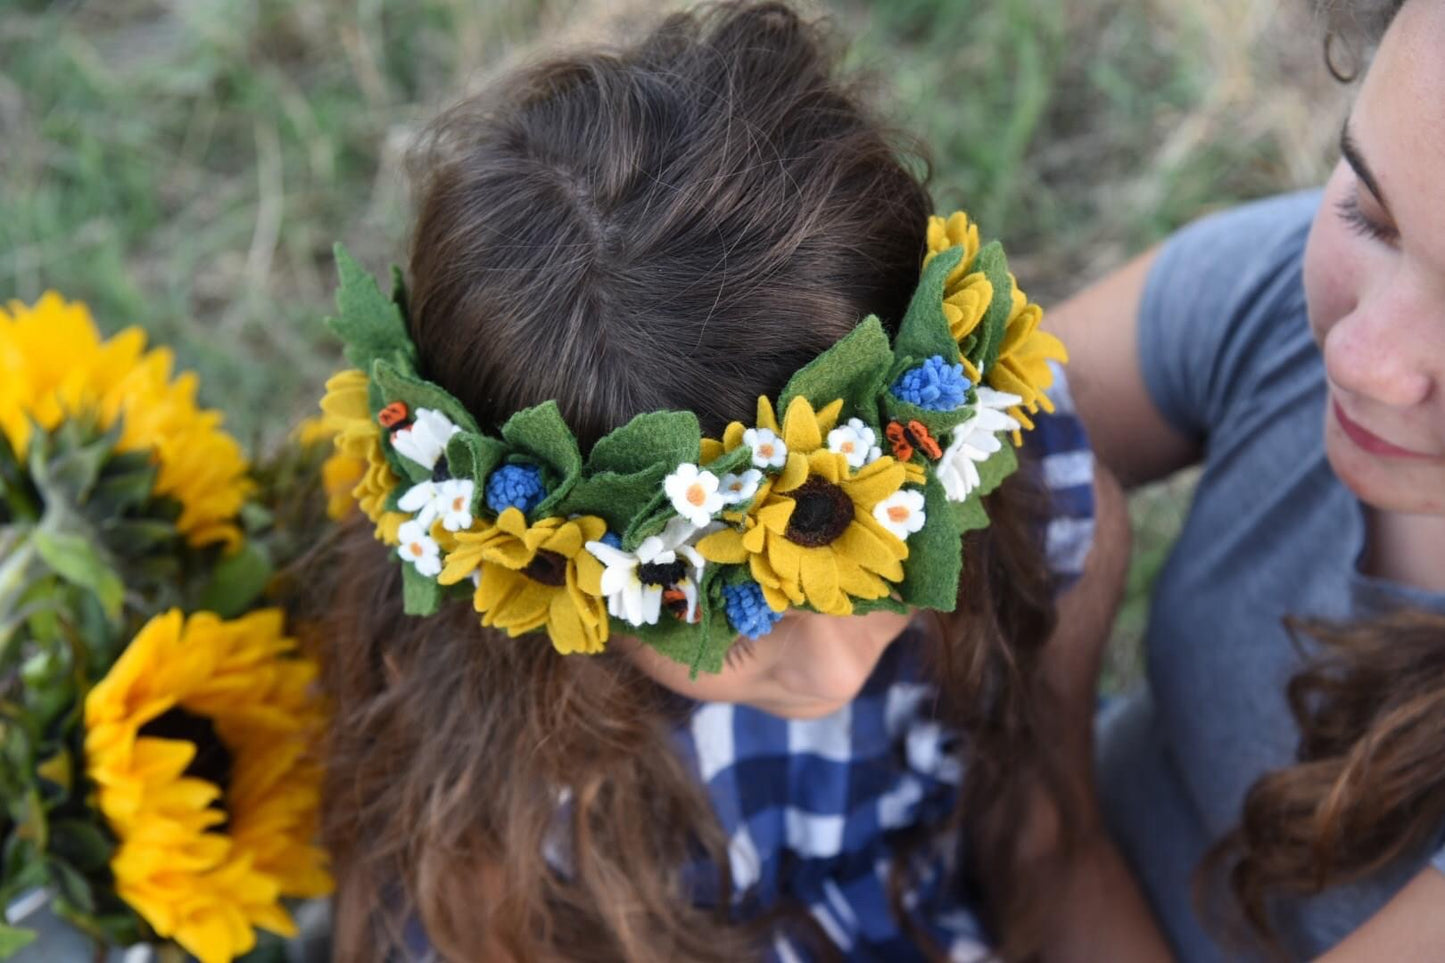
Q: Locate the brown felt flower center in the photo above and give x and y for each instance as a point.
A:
(549, 568)
(662, 573)
(821, 512)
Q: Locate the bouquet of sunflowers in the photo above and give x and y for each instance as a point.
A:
(158, 782)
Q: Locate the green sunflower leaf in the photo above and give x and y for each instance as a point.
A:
(237, 581)
(924, 332)
(13, 939)
(541, 434)
(667, 438)
(368, 322)
(421, 595)
(82, 563)
(935, 554)
(989, 335)
(854, 369)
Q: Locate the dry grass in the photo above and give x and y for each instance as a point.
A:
(186, 164)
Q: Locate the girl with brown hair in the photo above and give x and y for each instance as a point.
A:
(681, 225)
(1291, 741)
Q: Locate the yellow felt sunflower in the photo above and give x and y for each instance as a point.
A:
(966, 292)
(54, 365)
(198, 741)
(1022, 367)
(812, 536)
(358, 472)
(535, 577)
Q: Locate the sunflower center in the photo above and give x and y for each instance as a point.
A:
(821, 512)
(212, 761)
(662, 573)
(549, 568)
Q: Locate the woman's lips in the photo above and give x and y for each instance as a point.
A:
(1370, 442)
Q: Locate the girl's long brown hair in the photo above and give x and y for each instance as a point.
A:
(680, 224)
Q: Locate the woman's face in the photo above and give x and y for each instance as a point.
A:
(1375, 275)
(808, 666)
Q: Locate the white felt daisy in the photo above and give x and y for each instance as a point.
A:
(635, 583)
(739, 489)
(975, 442)
(694, 493)
(856, 442)
(768, 449)
(901, 513)
(424, 440)
(451, 500)
(419, 548)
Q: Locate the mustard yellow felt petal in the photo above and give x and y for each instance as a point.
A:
(858, 582)
(827, 465)
(970, 371)
(712, 450)
(508, 552)
(767, 418)
(794, 473)
(875, 547)
(724, 547)
(966, 307)
(566, 540)
(755, 538)
(733, 435)
(593, 528)
(787, 559)
(512, 522)
(800, 426)
(567, 629)
(495, 586)
(524, 609)
(589, 573)
(875, 482)
(819, 575)
(773, 593)
(828, 417)
(774, 517)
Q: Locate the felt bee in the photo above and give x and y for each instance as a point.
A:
(905, 439)
(394, 415)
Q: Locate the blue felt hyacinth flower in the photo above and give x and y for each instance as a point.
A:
(748, 611)
(935, 385)
(612, 539)
(515, 486)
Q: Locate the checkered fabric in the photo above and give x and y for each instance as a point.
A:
(812, 807)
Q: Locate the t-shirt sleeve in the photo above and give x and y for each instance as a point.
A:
(1210, 304)
(1066, 466)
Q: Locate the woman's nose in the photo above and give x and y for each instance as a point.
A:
(1374, 353)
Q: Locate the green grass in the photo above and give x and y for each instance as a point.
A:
(186, 166)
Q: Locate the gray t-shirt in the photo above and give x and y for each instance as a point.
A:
(1228, 358)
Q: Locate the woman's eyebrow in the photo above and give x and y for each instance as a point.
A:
(1356, 160)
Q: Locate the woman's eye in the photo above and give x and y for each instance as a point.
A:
(1362, 224)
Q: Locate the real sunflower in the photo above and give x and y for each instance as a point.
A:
(198, 741)
(54, 365)
(811, 537)
(538, 576)
(1022, 367)
(358, 472)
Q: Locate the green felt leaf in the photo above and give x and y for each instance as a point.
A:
(399, 295)
(542, 434)
(13, 939)
(924, 332)
(885, 604)
(654, 515)
(666, 438)
(938, 423)
(421, 595)
(970, 514)
(474, 456)
(619, 499)
(1002, 464)
(854, 369)
(935, 554)
(397, 384)
(368, 322)
(237, 581)
(990, 331)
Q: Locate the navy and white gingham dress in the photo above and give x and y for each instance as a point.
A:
(811, 807)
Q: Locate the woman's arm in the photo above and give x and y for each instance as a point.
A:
(1409, 927)
(1100, 328)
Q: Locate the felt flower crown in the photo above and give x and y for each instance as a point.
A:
(849, 494)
